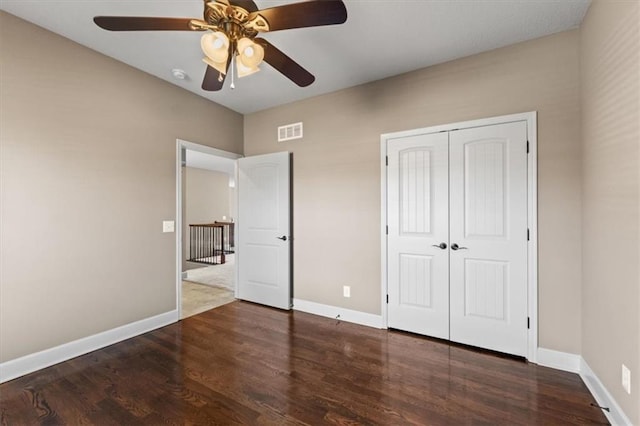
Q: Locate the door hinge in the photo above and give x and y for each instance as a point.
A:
(527, 147)
(528, 323)
(387, 229)
(387, 298)
(386, 160)
(527, 234)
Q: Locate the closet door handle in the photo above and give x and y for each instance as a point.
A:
(455, 246)
(283, 238)
(441, 246)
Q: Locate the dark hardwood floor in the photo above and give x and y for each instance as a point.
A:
(247, 364)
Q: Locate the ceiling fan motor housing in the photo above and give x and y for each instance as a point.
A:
(235, 21)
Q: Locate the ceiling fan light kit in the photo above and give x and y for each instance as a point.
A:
(232, 27)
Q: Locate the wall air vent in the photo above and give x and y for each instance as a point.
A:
(289, 132)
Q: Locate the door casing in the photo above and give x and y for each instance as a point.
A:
(532, 209)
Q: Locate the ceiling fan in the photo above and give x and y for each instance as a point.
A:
(232, 27)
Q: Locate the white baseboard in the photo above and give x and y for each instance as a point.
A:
(348, 315)
(559, 360)
(15, 368)
(576, 364)
(616, 416)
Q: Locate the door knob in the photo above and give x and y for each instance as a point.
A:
(455, 246)
(441, 246)
(283, 238)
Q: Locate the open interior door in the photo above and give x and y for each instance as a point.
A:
(264, 230)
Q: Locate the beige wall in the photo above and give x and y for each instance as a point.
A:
(87, 165)
(206, 199)
(610, 55)
(337, 169)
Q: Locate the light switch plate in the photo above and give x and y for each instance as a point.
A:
(346, 291)
(168, 226)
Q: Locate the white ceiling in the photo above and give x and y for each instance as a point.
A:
(200, 160)
(381, 38)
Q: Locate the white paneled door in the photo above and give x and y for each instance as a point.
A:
(488, 223)
(457, 237)
(418, 235)
(264, 235)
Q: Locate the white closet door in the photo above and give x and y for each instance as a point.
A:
(488, 275)
(418, 270)
(264, 230)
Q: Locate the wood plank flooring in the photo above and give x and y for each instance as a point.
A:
(247, 364)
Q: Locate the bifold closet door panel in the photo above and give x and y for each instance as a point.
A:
(418, 220)
(488, 236)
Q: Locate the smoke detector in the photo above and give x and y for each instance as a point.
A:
(179, 74)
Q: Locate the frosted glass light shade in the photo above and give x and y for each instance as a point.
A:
(215, 46)
(244, 70)
(250, 53)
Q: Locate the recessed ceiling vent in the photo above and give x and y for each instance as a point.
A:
(289, 132)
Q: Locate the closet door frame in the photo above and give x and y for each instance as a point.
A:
(532, 208)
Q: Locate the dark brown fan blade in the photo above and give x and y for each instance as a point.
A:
(211, 82)
(312, 13)
(287, 66)
(136, 23)
(248, 5)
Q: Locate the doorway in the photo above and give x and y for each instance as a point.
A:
(206, 207)
(258, 244)
(459, 217)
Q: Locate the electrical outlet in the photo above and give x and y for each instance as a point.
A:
(346, 291)
(626, 378)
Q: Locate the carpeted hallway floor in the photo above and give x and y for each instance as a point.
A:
(215, 275)
(208, 287)
(197, 298)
